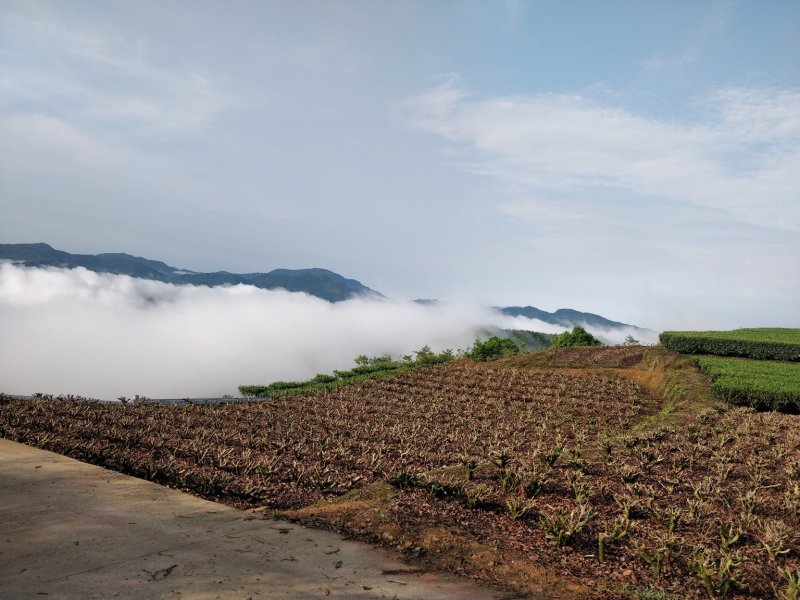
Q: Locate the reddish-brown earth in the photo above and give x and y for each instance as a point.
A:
(488, 470)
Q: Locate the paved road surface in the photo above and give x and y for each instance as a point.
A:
(69, 530)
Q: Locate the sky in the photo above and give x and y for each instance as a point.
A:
(640, 160)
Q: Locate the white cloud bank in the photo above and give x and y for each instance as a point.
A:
(105, 336)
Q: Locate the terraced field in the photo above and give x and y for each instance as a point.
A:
(555, 482)
(760, 343)
(762, 384)
(765, 373)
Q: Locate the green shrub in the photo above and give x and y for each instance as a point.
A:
(577, 337)
(364, 360)
(426, 356)
(285, 385)
(252, 390)
(492, 349)
(366, 368)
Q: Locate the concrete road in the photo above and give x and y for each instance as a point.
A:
(69, 530)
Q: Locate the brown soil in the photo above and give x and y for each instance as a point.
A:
(431, 463)
(582, 356)
(429, 545)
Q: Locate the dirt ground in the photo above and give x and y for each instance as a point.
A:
(575, 473)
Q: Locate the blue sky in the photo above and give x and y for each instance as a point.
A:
(636, 159)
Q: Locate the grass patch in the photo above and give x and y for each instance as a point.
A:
(381, 366)
(325, 382)
(759, 343)
(648, 593)
(761, 384)
(685, 392)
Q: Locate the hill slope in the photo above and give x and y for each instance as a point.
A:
(566, 317)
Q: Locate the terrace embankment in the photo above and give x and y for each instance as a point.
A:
(627, 362)
(613, 473)
(683, 390)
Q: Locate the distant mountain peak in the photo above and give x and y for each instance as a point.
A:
(566, 317)
(428, 301)
(318, 282)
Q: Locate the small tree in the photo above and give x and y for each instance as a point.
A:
(577, 337)
(492, 349)
(630, 341)
(362, 360)
(425, 356)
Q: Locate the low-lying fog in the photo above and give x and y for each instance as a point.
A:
(105, 336)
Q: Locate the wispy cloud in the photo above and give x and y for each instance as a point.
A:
(92, 113)
(655, 64)
(759, 115)
(114, 81)
(46, 142)
(742, 161)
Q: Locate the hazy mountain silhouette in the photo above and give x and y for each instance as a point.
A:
(317, 282)
(321, 283)
(563, 316)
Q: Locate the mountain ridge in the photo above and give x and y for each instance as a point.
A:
(567, 317)
(316, 281)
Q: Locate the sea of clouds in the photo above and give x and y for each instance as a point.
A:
(73, 331)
